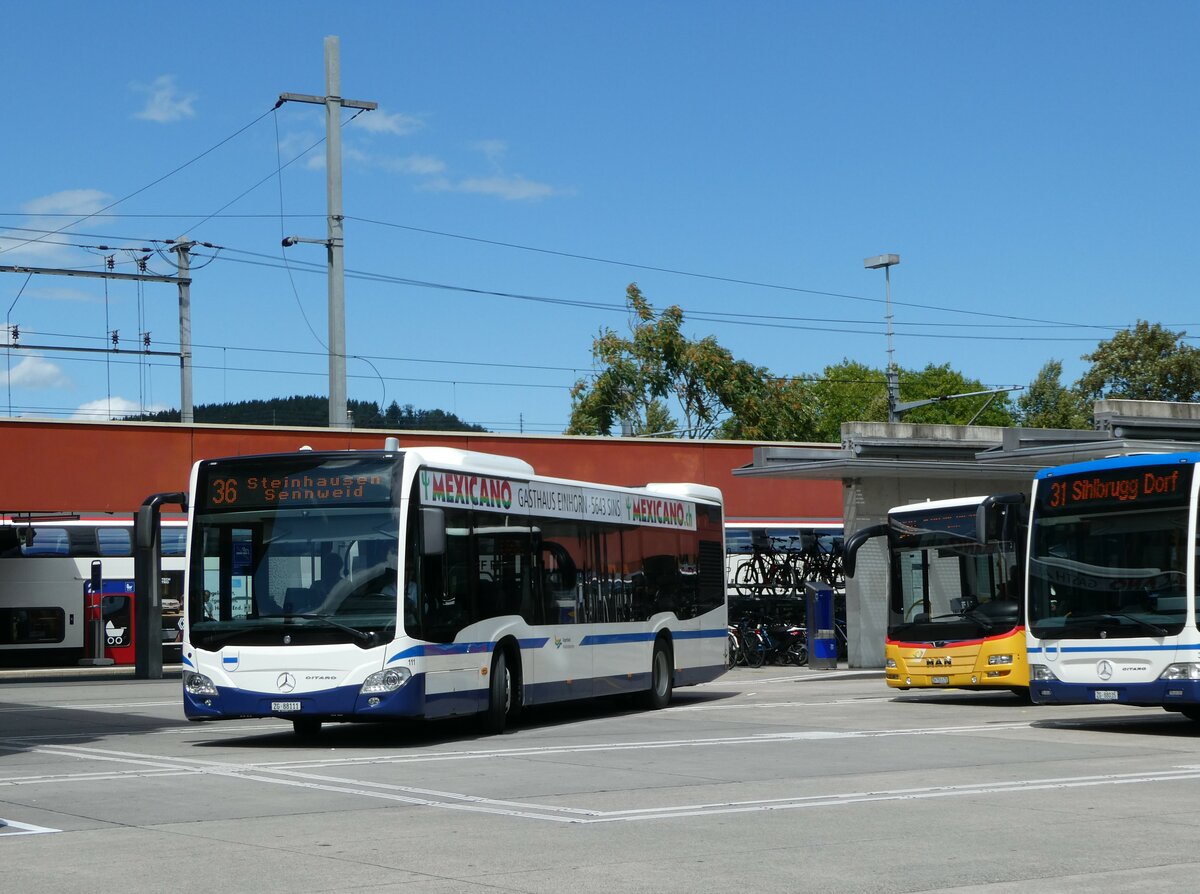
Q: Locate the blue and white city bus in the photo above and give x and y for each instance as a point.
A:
(433, 582)
(1111, 593)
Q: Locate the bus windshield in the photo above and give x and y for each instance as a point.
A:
(295, 554)
(1108, 558)
(947, 585)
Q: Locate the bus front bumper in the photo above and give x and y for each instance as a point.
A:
(1155, 693)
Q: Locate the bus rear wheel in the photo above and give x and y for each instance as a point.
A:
(661, 682)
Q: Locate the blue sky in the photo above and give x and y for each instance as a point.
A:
(1033, 164)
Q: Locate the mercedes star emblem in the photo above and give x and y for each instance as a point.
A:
(1104, 670)
(286, 682)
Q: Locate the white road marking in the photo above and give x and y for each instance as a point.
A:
(12, 827)
(303, 774)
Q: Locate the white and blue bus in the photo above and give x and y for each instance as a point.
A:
(1111, 592)
(434, 582)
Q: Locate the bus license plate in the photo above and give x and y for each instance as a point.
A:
(284, 707)
(941, 681)
(1106, 695)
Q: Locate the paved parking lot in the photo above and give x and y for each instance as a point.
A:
(776, 779)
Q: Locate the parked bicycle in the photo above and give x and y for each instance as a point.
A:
(754, 642)
(780, 565)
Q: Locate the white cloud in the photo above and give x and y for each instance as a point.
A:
(308, 142)
(493, 149)
(113, 408)
(164, 102)
(60, 293)
(35, 372)
(514, 188)
(37, 243)
(501, 185)
(68, 201)
(393, 123)
(420, 165)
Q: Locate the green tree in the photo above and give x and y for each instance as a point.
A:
(656, 363)
(853, 392)
(941, 381)
(847, 392)
(1047, 403)
(1147, 362)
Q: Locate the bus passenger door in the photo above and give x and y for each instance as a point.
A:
(562, 667)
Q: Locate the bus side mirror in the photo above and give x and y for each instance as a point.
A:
(147, 521)
(854, 543)
(433, 532)
(997, 517)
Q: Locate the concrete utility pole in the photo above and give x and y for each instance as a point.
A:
(334, 103)
(181, 247)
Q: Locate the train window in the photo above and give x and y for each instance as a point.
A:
(44, 541)
(23, 626)
(174, 541)
(114, 541)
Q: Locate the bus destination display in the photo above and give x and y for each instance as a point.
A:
(253, 486)
(1159, 485)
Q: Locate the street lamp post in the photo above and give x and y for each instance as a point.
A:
(893, 381)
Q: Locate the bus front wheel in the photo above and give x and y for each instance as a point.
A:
(503, 699)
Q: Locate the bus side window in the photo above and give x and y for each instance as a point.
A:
(559, 575)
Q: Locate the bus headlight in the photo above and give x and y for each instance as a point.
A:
(999, 659)
(891, 662)
(1042, 673)
(1187, 670)
(386, 680)
(198, 685)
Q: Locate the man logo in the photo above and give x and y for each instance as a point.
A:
(286, 682)
(1104, 670)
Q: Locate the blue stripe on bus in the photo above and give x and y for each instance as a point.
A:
(609, 639)
(435, 649)
(699, 634)
(1172, 647)
(430, 650)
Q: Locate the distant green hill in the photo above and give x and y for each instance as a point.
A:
(313, 411)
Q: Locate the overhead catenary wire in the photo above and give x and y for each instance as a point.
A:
(1016, 321)
(149, 185)
(766, 320)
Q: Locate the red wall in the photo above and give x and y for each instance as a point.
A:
(52, 466)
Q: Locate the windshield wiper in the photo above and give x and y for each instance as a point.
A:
(1150, 626)
(968, 615)
(362, 636)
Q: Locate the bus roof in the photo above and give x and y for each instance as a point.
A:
(1120, 462)
(953, 503)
